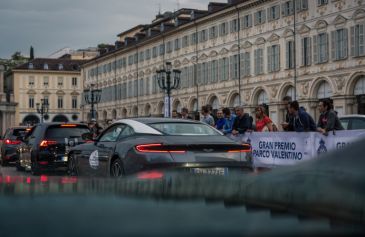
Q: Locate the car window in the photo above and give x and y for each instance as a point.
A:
(345, 123)
(17, 132)
(127, 131)
(35, 132)
(185, 129)
(61, 131)
(112, 133)
(358, 123)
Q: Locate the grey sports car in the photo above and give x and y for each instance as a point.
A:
(130, 146)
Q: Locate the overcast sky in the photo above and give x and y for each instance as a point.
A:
(49, 25)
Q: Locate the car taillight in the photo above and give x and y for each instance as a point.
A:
(156, 148)
(12, 142)
(46, 143)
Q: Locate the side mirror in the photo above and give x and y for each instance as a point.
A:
(87, 136)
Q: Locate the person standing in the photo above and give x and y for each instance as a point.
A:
(263, 122)
(207, 118)
(328, 120)
(94, 128)
(221, 121)
(185, 114)
(302, 121)
(288, 124)
(227, 128)
(242, 123)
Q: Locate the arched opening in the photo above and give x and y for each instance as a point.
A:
(105, 115)
(235, 101)
(193, 105)
(124, 113)
(290, 92)
(324, 91)
(60, 119)
(263, 99)
(31, 120)
(147, 110)
(161, 109)
(114, 114)
(135, 112)
(359, 92)
(177, 106)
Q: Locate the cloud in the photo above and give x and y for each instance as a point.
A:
(49, 25)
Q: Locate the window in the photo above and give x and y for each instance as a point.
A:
(60, 102)
(322, 2)
(45, 66)
(193, 38)
(154, 52)
(74, 102)
(141, 56)
(45, 81)
(30, 66)
(260, 17)
(223, 29)
(177, 44)
(185, 41)
(273, 58)
(74, 81)
(224, 69)
(246, 64)
(358, 40)
(247, 21)
(112, 133)
(290, 54)
(31, 102)
(60, 66)
(60, 81)
(214, 71)
(135, 57)
(320, 48)
(203, 36)
(213, 32)
(301, 5)
(273, 13)
(357, 123)
(148, 54)
(339, 44)
(234, 26)
(46, 100)
(184, 129)
(141, 87)
(130, 60)
(259, 61)
(306, 51)
(162, 49)
(31, 81)
(169, 47)
(234, 60)
(287, 8)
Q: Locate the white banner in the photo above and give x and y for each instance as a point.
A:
(290, 148)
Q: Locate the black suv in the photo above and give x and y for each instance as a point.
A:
(46, 146)
(9, 144)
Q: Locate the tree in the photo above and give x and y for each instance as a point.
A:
(31, 57)
(16, 56)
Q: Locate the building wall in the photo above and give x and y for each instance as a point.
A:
(334, 77)
(23, 90)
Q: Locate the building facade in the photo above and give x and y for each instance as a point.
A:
(243, 52)
(7, 104)
(56, 82)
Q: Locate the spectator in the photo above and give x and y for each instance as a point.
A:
(229, 120)
(221, 121)
(288, 124)
(210, 108)
(242, 123)
(94, 128)
(302, 121)
(174, 114)
(328, 120)
(185, 113)
(263, 122)
(207, 118)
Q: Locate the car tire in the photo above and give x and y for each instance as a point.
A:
(71, 166)
(116, 169)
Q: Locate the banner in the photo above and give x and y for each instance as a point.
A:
(290, 148)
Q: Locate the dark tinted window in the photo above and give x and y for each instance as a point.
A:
(358, 123)
(57, 132)
(17, 132)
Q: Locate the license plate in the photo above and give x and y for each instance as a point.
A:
(210, 171)
(61, 159)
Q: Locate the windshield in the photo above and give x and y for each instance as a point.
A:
(66, 132)
(185, 129)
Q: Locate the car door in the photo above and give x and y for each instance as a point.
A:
(104, 150)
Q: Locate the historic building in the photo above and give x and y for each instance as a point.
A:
(56, 82)
(7, 104)
(244, 52)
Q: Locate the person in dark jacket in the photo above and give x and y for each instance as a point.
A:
(302, 121)
(328, 120)
(242, 123)
(288, 124)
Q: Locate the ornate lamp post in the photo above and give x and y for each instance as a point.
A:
(42, 108)
(166, 83)
(92, 96)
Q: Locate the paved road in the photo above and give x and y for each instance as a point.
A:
(11, 171)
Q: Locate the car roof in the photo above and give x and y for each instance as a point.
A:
(353, 116)
(152, 120)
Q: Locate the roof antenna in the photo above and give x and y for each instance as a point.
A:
(178, 5)
(159, 9)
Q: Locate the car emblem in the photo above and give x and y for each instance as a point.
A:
(208, 150)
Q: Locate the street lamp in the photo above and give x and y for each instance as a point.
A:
(92, 96)
(43, 108)
(165, 82)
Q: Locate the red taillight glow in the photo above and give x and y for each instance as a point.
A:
(150, 175)
(68, 125)
(44, 179)
(12, 142)
(155, 148)
(46, 143)
(68, 180)
(245, 148)
(43, 162)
